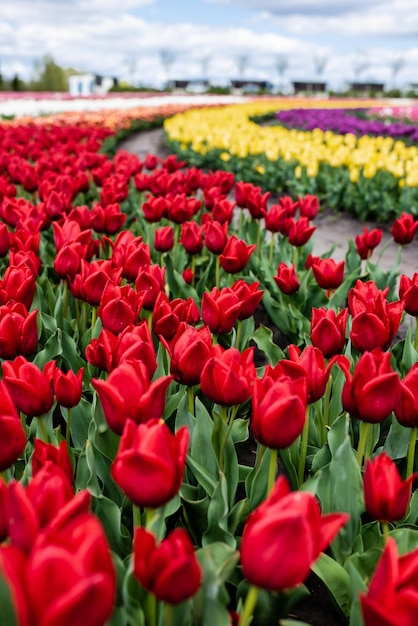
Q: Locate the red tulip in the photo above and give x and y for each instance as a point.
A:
(108, 219)
(220, 309)
(300, 232)
(181, 208)
(164, 238)
(328, 330)
(392, 598)
(250, 297)
(313, 364)
(189, 351)
(216, 236)
(368, 241)
(386, 495)
(404, 228)
(68, 387)
(71, 572)
(150, 281)
(12, 435)
(406, 408)
(169, 570)
(150, 461)
(30, 388)
(19, 284)
(128, 393)
(375, 320)
(308, 206)
(372, 392)
(130, 253)
(155, 208)
(223, 210)
(279, 407)
(287, 279)
(328, 274)
(13, 570)
(45, 452)
(192, 237)
(278, 220)
(273, 532)
(235, 255)
(89, 283)
(18, 330)
(228, 376)
(119, 307)
(408, 293)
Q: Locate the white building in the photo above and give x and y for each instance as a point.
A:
(89, 84)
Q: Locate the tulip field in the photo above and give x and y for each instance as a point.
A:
(200, 419)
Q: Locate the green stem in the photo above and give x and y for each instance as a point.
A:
(303, 448)
(416, 335)
(364, 433)
(327, 397)
(295, 256)
(224, 413)
(66, 290)
(272, 471)
(93, 320)
(169, 621)
(149, 516)
(136, 516)
(411, 452)
(68, 431)
(42, 428)
(241, 222)
(193, 269)
(151, 610)
(385, 530)
(271, 249)
(238, 335)
(190, 396)
(258, 240)
(217, 272)
(5, 475)
(259, 456)
(249, 606)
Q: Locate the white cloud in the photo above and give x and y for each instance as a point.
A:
(115, 37)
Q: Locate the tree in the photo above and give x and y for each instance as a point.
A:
(51, 77)
(16, 84)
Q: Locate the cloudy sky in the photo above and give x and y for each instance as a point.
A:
(148, 41)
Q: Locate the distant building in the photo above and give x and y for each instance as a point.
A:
(89, 84)
(191, 85)
(367, 89)
(308, 87)
(250, 86)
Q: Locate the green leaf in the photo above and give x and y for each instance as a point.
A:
(217, 529)
(110, 516)
(201, 449)
(202, 475)
(263, 337)
(239, 432)
(406, 539)
(397, 440)
(210, 604)
(336, 579)
(8, 616)
(86, 477)
(340, 488)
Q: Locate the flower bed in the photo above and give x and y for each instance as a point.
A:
(163, 459)
(371, 177)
